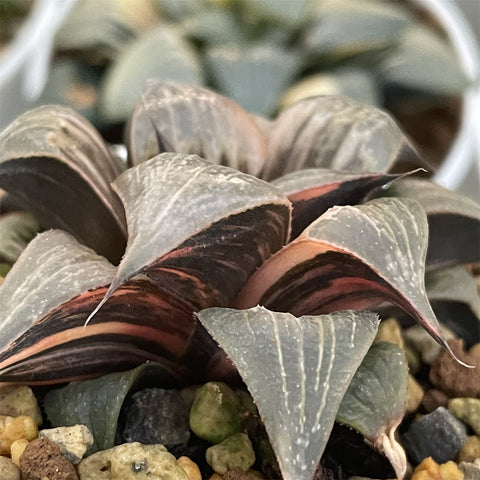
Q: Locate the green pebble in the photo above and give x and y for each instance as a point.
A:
(235, 451)
(215, 413)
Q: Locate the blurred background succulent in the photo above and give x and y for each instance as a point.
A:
(389, 54)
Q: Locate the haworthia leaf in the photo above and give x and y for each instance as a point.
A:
(374, 404)
(297, 370)
(123, 83)
(46, 298)
(343, 28)
(337, 133)
(16, 230)
(57, 166)
(291, 14)
(199, 230)
(253, 76)
(453, 221)
(186, 119)
(351, 257)
(97, 403)
(314, 191)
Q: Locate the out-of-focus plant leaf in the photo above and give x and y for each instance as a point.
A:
(374, 404)
(104, 28)
(197, 229)
(178, 10)
(46, 298)
(96, 403)
(174, 59)
(253, 76)
(314, 191)
(356, 83)
(351, 257)
(288, 14)
(57, 166)
(336, 133)
(186, 119)
(453, 221)
(16, 231)
(423, 61)
(297, 370)
(446, 289)
(343, 28)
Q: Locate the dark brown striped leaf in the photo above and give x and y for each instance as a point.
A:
(197, 229)
(172, 117)
(337, 133)
(314, 190)
(453, 221)
(46, 298)
(351, 257)
(374, 404)
(57, 166)
(297, 370)
(97, 403)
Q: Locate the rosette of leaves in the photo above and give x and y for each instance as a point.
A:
(261, 56)
(166, 258)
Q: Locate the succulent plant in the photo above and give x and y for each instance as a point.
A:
(225, 244)
(263, 57)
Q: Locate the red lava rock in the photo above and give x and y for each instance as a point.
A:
(433, 398)
(454, 379)
(43, 459)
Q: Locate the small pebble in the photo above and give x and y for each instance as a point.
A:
(19, 400)
(471, 470)
(16, 450)
(43, 459)
(422, 342)
(235, 451)
(439, 435)
(215, 413)
(132, 461)
(8, 470)
(470, 450)
(450, 471)
(428, 469)
(73, 441)
(239, 474)
(433, 398)
(467, 410)
(15, 428)
(191, 468)
(389, 330)
(475, 350)
(455, 380)
(157, 416)
(414, 395)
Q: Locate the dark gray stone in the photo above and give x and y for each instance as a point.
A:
(439, 435)
(155, 415)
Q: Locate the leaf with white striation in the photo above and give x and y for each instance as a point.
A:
(351, 257)
(171, 117)
(374, 404)
(297, 370)
(197, 229)
(337, 133)
(453, 221)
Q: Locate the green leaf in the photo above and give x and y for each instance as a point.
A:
(453, 221)
(351, 257)
(97, 403)
(253, 76)
(172, 117)
(343, 28)
(297, 370)
(197, 229)
(57, 166)
(374, 404)
(17, 229)
(290, 14)
(336, 133)
(46, 298)
(123, 83)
